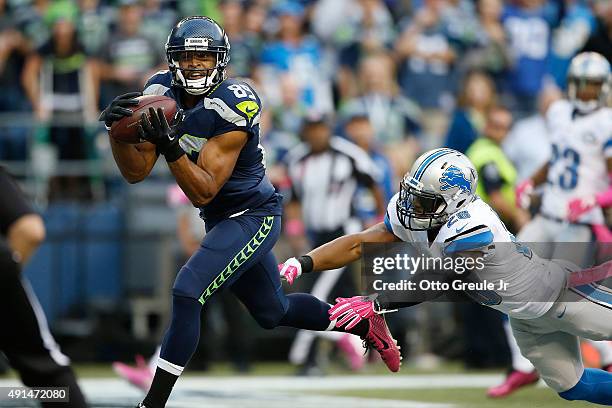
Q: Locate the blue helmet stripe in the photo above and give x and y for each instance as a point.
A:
(428, 160)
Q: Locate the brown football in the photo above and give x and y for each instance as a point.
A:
(126, 129)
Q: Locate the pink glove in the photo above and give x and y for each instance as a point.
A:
(290, 270)
(351, 311)
(522, 192)
(579, 206)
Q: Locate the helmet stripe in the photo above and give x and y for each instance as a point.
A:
(428, 160)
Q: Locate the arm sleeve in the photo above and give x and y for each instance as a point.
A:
(237, 107)
(491, 179)
(478, 238)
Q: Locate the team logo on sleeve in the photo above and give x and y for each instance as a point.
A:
(454, 177)
(249, 108)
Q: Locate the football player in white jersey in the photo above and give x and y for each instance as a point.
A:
(436, 208)
(575, 182)
(575, 187)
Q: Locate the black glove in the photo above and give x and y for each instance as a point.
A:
(117, 109)
(155, 129)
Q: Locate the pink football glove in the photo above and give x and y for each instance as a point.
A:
(522, 192)
(579, 206)
(351, 311)
(290, 270)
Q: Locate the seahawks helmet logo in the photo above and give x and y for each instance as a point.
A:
(454, 177)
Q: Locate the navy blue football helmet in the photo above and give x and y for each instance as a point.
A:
(199, 34)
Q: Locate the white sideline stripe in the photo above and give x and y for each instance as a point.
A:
(275, 383)
(271, 391)
(169, 367)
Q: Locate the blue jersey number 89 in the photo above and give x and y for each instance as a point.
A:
(569, 177)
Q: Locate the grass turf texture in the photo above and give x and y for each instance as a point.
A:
(531, 397)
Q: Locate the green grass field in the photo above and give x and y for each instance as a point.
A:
(449, 385)
(472, 397)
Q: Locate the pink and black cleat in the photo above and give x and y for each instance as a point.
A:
(348, 312)
(139, 376)
(513, 382)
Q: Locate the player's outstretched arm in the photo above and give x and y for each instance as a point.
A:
(344, 250)
(525, 188)
(216, 161)
(335, 254)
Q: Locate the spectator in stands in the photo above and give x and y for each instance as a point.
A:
(59, 81)
(157, 21)
(245, 47)
(601, 39)
(459, 18)
(31, 19)
(367, 29)
(528, 25)
(130, 57)
(569, 37)
(427, 61)
(297, 55)
(477, 96)
(13, 48)
(496, 173)
(94, 26)
(488, 49)
(395, 118)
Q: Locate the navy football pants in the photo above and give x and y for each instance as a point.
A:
(236, 253)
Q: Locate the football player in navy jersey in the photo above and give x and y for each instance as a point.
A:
(212, 149)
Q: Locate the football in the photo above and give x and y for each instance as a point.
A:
(126, 129)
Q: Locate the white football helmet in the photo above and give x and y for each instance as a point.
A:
(440, 183)
(588, 68)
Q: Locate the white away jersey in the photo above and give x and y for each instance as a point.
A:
(533, 284)
(580, 147)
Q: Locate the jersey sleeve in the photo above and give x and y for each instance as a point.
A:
(463, 233)
(491, 178)
(555, 113)
(237, 107)
(158, 83)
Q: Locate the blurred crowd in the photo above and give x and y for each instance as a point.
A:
(395, 77)
(424, 72)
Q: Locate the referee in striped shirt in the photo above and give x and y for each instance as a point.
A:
(325, 172)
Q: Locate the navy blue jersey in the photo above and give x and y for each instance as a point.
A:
(232, 105)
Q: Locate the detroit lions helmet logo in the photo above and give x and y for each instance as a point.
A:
(454, 177)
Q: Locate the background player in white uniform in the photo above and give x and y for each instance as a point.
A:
(437, 197)
(575, 185)
(581, 136)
